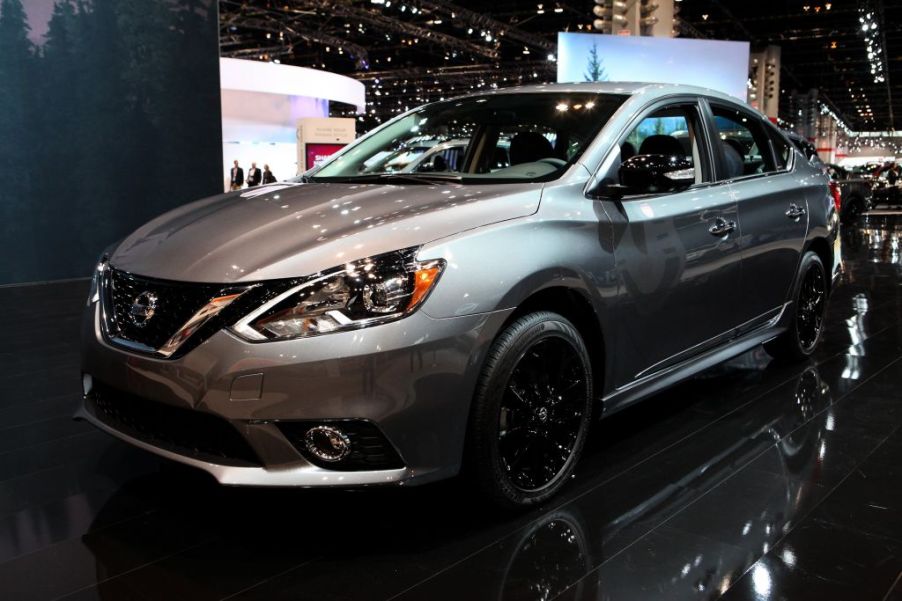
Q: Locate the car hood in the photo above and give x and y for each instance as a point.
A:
(288, 230)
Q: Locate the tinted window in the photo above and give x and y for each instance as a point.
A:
(782, 148)
(744, 143)
(672, 134)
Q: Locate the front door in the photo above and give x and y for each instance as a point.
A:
(677, 252)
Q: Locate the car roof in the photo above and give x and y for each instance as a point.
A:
(628, 88)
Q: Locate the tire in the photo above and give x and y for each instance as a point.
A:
(853, 211)
(810, 295)
(522, 442)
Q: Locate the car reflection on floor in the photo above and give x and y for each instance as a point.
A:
(542, 564)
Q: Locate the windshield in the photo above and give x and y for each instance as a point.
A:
(503, 138)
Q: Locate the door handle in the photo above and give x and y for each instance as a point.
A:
(795, 211)
(722, 227)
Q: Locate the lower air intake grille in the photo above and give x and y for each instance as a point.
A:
(190, 433)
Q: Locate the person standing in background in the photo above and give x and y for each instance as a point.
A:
(253, 176)
(268, 177)
(237, 177)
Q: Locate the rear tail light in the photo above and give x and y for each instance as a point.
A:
(837, 195)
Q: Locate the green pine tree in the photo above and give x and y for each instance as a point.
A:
(17, 81)
(595, 70)
(55, 133)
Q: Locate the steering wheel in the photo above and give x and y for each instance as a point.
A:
(553, 161)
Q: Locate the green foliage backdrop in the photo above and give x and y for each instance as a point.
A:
(113, 119)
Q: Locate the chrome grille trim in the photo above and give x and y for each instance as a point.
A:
(197, 304)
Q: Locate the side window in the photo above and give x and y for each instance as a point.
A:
(782, 148)
(744, 143)
(809, 149)
(661, 154)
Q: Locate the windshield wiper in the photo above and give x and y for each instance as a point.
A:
(412, 178)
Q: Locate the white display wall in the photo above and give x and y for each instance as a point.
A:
(262, 104)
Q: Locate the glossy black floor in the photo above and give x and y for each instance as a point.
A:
(752, 481)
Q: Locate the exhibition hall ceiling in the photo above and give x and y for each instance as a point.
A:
(412, 51)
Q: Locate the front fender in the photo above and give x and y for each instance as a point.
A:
(498, 267)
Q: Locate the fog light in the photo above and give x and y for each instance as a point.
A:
(327, 443)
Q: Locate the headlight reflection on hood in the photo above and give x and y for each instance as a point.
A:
(367, 292)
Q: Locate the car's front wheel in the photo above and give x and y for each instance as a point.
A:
(809, 308)
(531, 412)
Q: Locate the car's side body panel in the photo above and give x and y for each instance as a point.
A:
(773, 211)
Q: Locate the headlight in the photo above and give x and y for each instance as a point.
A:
(363, 293)
(94, 293)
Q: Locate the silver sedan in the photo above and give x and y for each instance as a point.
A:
(586, 246)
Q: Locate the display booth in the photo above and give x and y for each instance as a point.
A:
(319, 138)
(716, 64)
(263, 105)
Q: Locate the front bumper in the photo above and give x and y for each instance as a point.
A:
(304, 474)
(412, 379)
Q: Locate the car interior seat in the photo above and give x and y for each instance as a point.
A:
(733, 159)
(500, 158)
(627, 150)
(528, 147)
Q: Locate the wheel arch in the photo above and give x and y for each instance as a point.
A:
(821, 247)
(576, 306)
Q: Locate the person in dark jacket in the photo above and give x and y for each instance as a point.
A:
(268, 177)
(237, 177)
(253, 176)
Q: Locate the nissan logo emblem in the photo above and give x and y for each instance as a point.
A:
(143, 308)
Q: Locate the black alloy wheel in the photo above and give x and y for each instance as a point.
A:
(541, 413)
(811, 305)
(806, 326)
(532, 410)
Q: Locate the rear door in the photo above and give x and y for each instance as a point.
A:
(756, 161)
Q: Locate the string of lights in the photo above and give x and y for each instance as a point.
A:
(408, 52)
(868, 17)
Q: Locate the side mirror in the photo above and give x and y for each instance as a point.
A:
(655, 173)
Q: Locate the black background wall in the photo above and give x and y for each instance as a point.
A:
(109, 118)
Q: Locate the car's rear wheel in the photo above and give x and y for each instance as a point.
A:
(809, 307)
(532, 411)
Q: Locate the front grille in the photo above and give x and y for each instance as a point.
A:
(186, 432)
(176, 303)
(370, 450)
